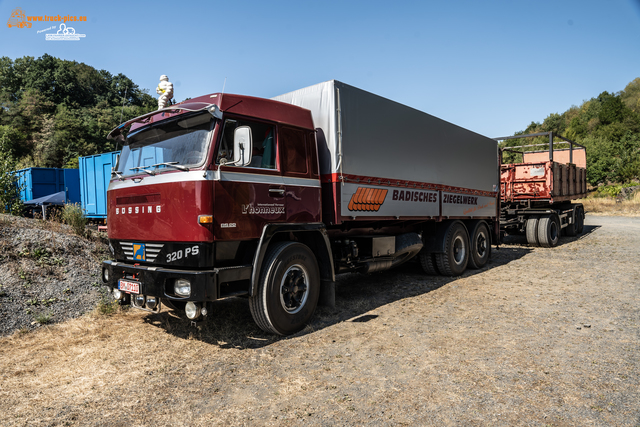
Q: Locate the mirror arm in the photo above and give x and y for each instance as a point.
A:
(236, 162)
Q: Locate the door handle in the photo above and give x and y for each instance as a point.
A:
(276, 192)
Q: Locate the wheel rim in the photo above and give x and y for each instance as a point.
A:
(459, 250)
(293, 289)
(481, 244)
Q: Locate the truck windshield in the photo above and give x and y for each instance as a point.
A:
(180, 143)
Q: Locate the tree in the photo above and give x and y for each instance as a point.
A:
(609, 126)
(53, 110)
(10, 201)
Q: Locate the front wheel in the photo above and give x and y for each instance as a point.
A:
(288, 290)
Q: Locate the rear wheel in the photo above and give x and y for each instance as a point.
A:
(531, 230)
(428, 263)
(572, 229)
(579, 219)
(480, 245)
(548, 231)
(288, 289)
(577, 225)
(454, 260)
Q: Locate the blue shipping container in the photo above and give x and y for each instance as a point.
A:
(95, 174)
(40, 182)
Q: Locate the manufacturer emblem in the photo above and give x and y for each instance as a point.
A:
(139, 252)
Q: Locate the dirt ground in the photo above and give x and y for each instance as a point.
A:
(541, 337)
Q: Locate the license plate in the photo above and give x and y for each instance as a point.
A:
(128, 286)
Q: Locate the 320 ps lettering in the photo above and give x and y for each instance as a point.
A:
(176, 255)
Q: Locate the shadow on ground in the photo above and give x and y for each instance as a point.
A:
(230, 325)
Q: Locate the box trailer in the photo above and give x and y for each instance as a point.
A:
(229, 195)
(39, 182)
(95, 174)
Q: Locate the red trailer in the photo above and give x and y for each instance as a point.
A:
(536, 194)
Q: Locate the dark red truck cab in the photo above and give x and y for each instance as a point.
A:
(190, 216)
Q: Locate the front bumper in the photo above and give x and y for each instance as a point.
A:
(158, 281)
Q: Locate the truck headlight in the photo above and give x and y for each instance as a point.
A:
(105, 275)
(182, 287)
(139, 300)
(192, 310)
(152, 303)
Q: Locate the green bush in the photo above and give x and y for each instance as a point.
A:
(73, 216)
(10, 201)
(108, 306)
(43, 319)
(613, 190)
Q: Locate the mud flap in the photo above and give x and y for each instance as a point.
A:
(327, 294)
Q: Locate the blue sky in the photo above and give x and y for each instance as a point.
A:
(489, 66)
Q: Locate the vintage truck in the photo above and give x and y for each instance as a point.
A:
(227, 195)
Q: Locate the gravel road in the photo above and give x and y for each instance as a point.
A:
(540, 337)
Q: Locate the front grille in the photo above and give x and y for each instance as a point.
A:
(151, 250)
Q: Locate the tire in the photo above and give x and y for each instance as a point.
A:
(455, 258)
(428, 263)
(579, 220)
(531, 230)
(548, 231)
(572, 229)
(288, 289)
(480, 245)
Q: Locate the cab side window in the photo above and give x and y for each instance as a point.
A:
(263, 152)
(294, 151)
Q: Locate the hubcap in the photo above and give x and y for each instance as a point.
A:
(459, 251)
(293, 289)
(481, 244)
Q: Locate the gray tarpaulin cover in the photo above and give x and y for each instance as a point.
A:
(377, 137)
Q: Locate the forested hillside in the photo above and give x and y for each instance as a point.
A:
(609, 126)
(53, 111)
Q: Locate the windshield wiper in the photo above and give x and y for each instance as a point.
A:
(143, 169)
(173, 165)
(118, 174)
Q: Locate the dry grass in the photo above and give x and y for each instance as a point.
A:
(507, 345)
(611, 206)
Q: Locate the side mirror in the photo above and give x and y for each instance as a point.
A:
(242, 146)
